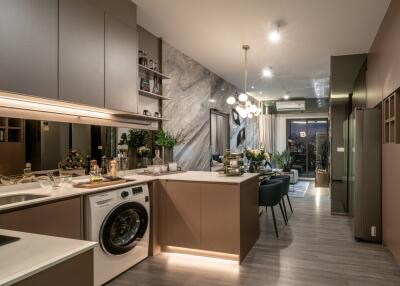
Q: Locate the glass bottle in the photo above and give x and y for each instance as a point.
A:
(156, 88)
(157, 163)
(95, 175)
(141, 58)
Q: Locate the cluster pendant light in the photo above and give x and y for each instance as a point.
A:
(243, 106)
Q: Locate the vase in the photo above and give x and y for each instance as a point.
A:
(132, 158)
(144, 162)
(254, 167)
(167, 155)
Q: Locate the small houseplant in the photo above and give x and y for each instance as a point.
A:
(167, 142)
(256, 157)
(134, 139)
(283, 160)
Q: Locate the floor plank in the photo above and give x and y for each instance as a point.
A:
(314, 249)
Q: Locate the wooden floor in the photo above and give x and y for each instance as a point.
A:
(314, 249)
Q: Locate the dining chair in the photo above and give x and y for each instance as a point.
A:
(285, 191)
(270, 196)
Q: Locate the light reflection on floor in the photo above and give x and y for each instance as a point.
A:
(201, 263)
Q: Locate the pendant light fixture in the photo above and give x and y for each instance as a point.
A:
(243, 106)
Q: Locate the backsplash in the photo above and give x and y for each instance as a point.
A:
(191, 87)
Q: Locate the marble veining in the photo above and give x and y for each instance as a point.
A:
(191, 87)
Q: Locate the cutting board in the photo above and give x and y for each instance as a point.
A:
(88, 185)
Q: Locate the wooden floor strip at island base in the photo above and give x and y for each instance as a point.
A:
(314, 249)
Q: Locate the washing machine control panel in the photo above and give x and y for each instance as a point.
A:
(137, 190)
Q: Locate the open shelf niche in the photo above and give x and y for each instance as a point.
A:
(391, 118)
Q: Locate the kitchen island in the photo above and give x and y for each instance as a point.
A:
(206, 213)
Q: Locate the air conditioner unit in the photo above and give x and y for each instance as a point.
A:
(295, 105)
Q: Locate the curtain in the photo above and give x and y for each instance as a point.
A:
(266, 132)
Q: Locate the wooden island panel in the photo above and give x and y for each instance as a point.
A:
(208, 216)
(220, 218)
(182, 213)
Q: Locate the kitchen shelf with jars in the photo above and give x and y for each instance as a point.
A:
(150, 86)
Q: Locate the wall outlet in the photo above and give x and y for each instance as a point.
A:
(373, 231)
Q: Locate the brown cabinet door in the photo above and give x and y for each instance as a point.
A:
(29, 47)
(61, 218)
(220, 218)
(81, 52)
(182, 214)
(121, 69)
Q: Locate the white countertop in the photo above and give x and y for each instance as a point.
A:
(63, 193)
(213, 177)
(34, 253)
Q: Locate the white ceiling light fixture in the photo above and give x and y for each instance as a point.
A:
(231, 100)
(275, 35)
(244, 107)
(267, 72)
(243, 97)
(286, 97)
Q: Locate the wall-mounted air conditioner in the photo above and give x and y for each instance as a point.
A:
(295, 105)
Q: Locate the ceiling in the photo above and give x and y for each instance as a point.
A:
(212, 32)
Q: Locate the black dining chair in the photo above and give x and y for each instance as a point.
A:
(270, 196)
(285, 191)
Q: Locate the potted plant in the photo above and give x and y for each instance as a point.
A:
(283, 160)
(256, 157)
(134, 139)
(167, 142)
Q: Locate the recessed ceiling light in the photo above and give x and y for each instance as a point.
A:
(286, 97)
(267, 72)
(260, 92)
(252, 87)
(211, 100)
(274, 36)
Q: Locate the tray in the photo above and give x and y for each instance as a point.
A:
(161, 174)
(105, 183)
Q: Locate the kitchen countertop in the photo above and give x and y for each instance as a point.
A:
(63, 193)
(213, 177)
(34, 253)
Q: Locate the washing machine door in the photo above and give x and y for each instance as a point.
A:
(123, 227)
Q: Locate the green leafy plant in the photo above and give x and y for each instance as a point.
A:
(165, 139)
(135, 138)
(283, 160)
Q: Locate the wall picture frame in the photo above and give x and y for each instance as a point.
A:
(235, 117)
(241, 137)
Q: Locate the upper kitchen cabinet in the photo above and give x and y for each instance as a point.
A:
(121, 70)
(81, 52)
(29, 47)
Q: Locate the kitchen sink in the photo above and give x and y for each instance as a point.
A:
(12, 199)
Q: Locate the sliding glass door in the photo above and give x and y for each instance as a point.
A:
(307, 141)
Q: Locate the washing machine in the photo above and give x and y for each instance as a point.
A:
(119, 221)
